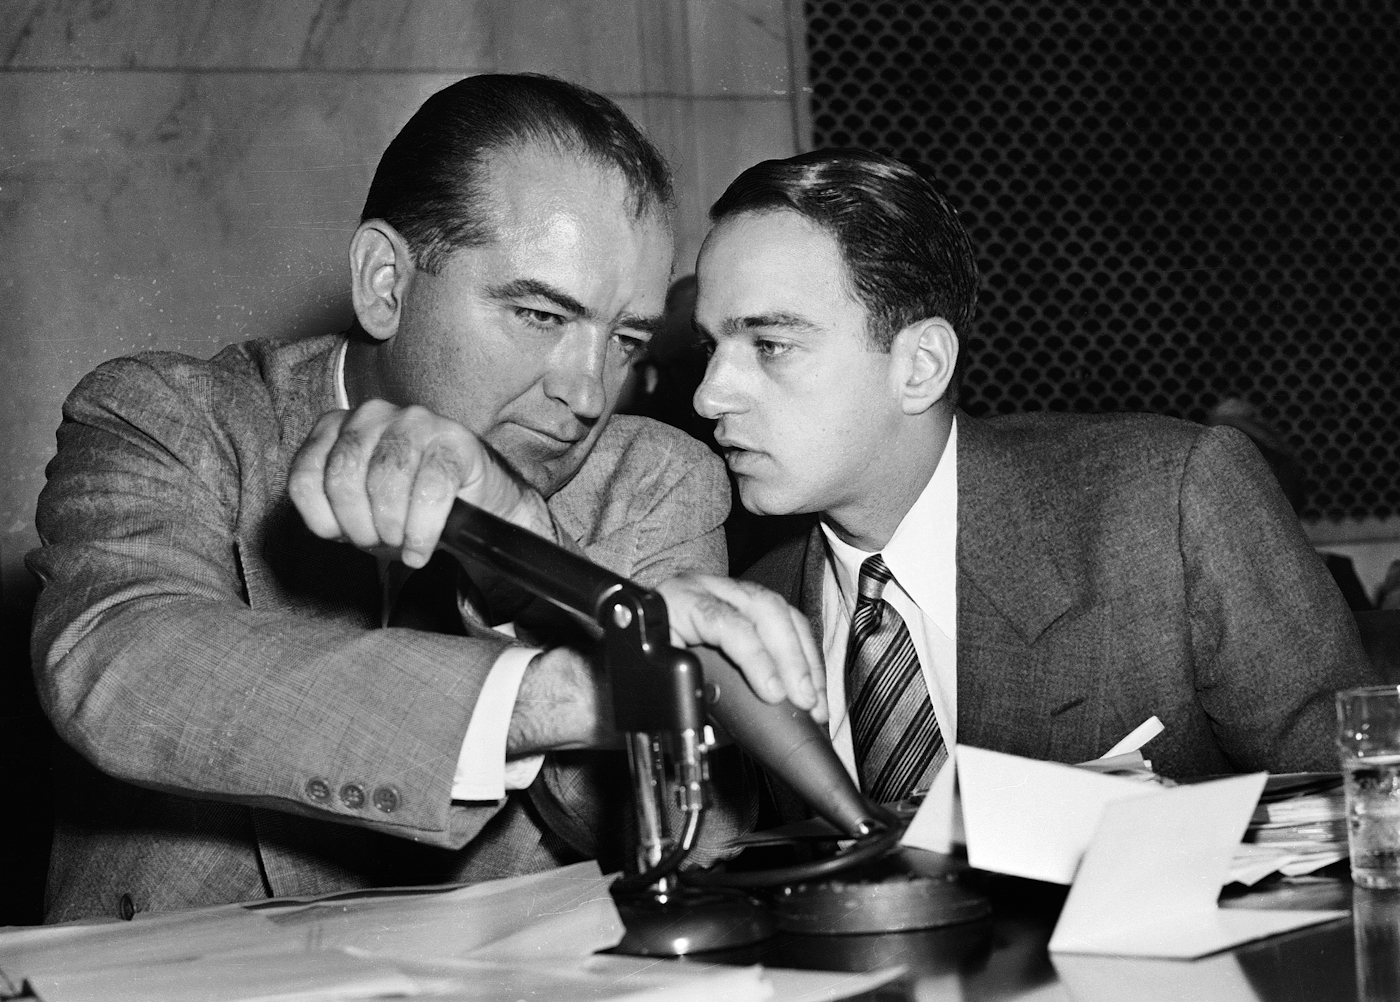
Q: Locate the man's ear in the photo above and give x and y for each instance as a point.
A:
(381, 268)
(926, 353)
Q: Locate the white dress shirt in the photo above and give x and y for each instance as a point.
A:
(482, 770)
(922, 556)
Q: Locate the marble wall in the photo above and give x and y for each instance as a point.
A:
(180, 174)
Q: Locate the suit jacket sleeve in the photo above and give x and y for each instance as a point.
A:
(1272, 637)
(166, 653)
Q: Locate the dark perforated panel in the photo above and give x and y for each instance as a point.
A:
(1172, 204)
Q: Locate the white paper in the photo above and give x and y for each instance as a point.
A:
(1149, 880)
(340, 947)
(638, 979)
(937, 825)
(560, 914)
(1031, 818)
(1136, 738)
(788, 985)
(322, 976)
(1114, 979)
(147, 940)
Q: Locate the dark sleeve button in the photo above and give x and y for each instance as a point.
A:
(352, 795)
(386, 798)
(126, 908)
(318, 789)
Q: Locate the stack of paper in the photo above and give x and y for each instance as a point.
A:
(1299, 827)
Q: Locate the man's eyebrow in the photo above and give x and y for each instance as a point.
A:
(761, 321)
(522, 288)
(654, 325)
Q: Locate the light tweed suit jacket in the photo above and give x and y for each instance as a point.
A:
(1111, 568)
(242, 727)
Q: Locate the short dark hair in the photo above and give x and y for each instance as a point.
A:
(906, 254)
(429, 183)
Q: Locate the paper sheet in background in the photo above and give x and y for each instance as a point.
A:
(939, 826)
(1151, 875)
(1104, 834)
(1031, 818)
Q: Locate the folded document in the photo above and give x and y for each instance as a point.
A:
(1146, 861)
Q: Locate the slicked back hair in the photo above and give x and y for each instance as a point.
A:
(431, 183)
(907, 256)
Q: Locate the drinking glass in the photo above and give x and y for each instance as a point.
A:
(1368, 740)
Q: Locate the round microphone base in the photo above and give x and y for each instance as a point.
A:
(690, 921)
(909, 889)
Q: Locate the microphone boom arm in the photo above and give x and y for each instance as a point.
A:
(657, 689)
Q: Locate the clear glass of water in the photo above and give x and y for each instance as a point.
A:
(1368, 739)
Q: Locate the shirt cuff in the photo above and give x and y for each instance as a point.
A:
(482, 770)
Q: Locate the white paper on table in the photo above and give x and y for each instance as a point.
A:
(637, 979)
(319, 976)
(145, 941)
(788, 985)
(1031, 818)
(1113, 979)
(296, 951)
(1136, 738)
(1149, 880)
(938, 824)
(641, 981)
(560, 914)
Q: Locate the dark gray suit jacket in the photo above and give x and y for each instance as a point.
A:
(1111, 568)
(242, 726)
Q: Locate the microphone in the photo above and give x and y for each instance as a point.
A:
(789, 743)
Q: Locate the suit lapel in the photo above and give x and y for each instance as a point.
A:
(1003, 548)
(1030, 656)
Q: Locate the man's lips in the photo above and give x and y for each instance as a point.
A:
(737, 454)
(727, 444)
(561, 440)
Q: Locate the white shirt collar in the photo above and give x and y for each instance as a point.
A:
(342, 398)
(923, 552)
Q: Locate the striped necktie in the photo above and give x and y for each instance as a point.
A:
(897, 742)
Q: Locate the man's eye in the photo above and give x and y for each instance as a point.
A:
(539, 318)
(770, 349)
(704, 344)
(632, 346)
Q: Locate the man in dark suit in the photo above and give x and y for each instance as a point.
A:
(1037, 584)
(209, 642)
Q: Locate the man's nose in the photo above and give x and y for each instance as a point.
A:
(578, 371)
(715, 396)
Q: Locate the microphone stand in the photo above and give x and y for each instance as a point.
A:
(658, 703)
(660, 698)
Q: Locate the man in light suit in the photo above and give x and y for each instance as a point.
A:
(1038, 584)
(224, 541)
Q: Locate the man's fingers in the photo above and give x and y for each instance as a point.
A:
(754, 627)
(384, 477)
(698, 616)
(787, 638)
(444, 466)
(389, 480)
(347, 478)
(306, 480)
(821, 712)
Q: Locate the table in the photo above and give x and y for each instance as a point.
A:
(1356, 958)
